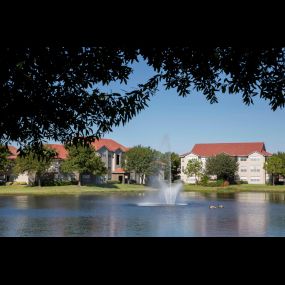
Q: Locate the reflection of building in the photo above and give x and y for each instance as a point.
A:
(109, 150)
(252, 214)
(250, 157)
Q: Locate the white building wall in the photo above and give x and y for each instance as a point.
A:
(250, 168)
(24, 177)
(184, 161)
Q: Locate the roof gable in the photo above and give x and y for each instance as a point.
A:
(60, 149)
(13, 152)
(110, 144)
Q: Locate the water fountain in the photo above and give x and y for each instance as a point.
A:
(168, 192)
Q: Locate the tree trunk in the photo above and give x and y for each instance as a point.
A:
(273, 183)
(79, 180)
(39, 182)
(141, 178)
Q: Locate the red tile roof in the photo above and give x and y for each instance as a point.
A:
(232, 149)
(119, 170)
(109, 144)
(13, 151)
(61, 151)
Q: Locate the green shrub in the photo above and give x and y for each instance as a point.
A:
(58, 183)
(66, 183)
(241, 182)
(204, 180)
(9, 183)
(217, 183)
(19, 183)
(113, 182)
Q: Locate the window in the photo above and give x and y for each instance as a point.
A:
(117, 159)
(243, 178)
(243, 169)
(255, 179)
(254, 169)
(182, 168)
(254, 158)
(243, 158)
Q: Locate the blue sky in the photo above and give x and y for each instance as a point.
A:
(193, 119)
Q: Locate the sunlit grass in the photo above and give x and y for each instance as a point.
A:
(71, 189)
(236, 188)
(128, 188)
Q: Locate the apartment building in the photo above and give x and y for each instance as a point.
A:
(250, 156)
(109, 150)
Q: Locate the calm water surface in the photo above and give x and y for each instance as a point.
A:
(244, 214)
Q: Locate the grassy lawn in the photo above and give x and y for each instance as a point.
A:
(236, 188)
(72, 189)
(128, 188)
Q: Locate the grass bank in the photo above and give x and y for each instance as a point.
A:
(129, 188)
(236, 188)
(72, 189)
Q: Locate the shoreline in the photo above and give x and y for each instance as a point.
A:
(261, 188)
(72, 189)
(131, 188)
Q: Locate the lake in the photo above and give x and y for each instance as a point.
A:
(113, 215)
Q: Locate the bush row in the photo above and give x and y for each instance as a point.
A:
(58, 183)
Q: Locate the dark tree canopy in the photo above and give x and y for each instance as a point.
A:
(142, 161)
(5, 162)
(33, 162)
(52, 92)
(83, 159)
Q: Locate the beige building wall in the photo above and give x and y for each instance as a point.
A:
(110, 160)
(184, 161)
(250, 168)
(23, 177)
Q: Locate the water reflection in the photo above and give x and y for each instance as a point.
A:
(244, 214)
(275, 197)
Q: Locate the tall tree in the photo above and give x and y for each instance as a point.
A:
(222, 165)
(282, 156)
(142, 160)
(35, 163)
(171, 160)
(83, 159)
(275, 166)
(194, 167)
(5, 163)
(53, 92)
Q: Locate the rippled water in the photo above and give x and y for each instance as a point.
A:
(244, 214)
